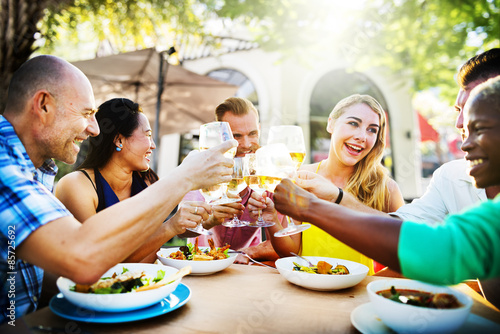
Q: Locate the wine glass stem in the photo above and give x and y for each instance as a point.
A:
(290, 222)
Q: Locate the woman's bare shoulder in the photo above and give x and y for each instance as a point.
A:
(77, 178)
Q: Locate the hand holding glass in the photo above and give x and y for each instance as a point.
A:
(235, 187)
(213, 134)
(293, 138)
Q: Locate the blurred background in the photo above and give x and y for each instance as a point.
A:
(294, 59)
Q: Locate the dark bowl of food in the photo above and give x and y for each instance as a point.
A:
(409, 306)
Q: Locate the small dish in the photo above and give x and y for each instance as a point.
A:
(417, 319)
(365, 319)
(197, 267)
(320, 282)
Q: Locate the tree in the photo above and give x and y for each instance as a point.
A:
(421, 40)
(27, 26)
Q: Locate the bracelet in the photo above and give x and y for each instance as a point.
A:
(339, 198)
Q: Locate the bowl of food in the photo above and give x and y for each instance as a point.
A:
(411, 306)
(203, 260)
(124, 287)
(327, 273)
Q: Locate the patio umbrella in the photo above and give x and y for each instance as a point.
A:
(188, 99)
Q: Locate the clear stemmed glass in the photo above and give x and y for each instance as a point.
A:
(255, 183)
(213, 134)
(293, 138)
(234, 187)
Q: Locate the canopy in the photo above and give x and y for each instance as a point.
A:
(188, 99)
(427, 132)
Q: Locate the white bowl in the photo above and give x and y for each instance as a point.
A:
(357, 272)
(405, 318)
(121, 301)
(198, 267)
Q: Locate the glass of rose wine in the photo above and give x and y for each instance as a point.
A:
(293, 138)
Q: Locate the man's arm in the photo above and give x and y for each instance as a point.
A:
(375, 236)
(83, 252)
(327, 191)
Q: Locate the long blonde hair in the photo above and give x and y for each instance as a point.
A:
(369, 180)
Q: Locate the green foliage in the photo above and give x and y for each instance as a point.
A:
(423, 41)
(426, 41)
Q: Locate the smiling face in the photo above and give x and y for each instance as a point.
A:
(137, 148)
(354, 133)
(482, 145)
(246, 131)
(74, 119)
(462, 97)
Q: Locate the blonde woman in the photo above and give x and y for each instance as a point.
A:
(357, 126)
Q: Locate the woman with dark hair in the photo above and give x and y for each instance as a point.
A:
(116, 168)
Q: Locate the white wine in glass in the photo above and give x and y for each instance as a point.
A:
(235, 187)
(293, 137)
(254, 182)
(213, 134)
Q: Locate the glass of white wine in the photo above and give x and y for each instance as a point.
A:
(255, 183)
(213, 134)
(235, 187)
(293, 137)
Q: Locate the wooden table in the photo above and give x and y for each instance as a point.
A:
(247, 299)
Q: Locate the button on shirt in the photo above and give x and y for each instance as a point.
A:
(26, 203)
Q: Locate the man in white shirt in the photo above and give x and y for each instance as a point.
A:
(451, 189)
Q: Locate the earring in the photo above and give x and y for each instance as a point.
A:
(119, 148)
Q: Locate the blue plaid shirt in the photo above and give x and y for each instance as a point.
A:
(26, 203)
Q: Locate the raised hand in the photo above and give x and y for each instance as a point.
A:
(189, 214)
(292, 200)
(317, 184)
(226, 211)
(264, 203)
(209, 167)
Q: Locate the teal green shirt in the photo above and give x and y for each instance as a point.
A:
(464, 246)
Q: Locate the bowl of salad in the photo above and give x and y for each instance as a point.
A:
(203, 260)
(124, 287)
(326, 274)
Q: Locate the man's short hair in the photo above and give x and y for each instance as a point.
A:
(41, 72)
(481, 67)
(235, 105)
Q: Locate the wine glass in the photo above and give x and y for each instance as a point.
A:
(235, 187)
(254, 182)
(293, 138)
(213, 134)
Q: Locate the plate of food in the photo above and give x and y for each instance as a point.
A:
(124, 287)
(411, 306)
(326, 274)
(203, 260)
(65, 309)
